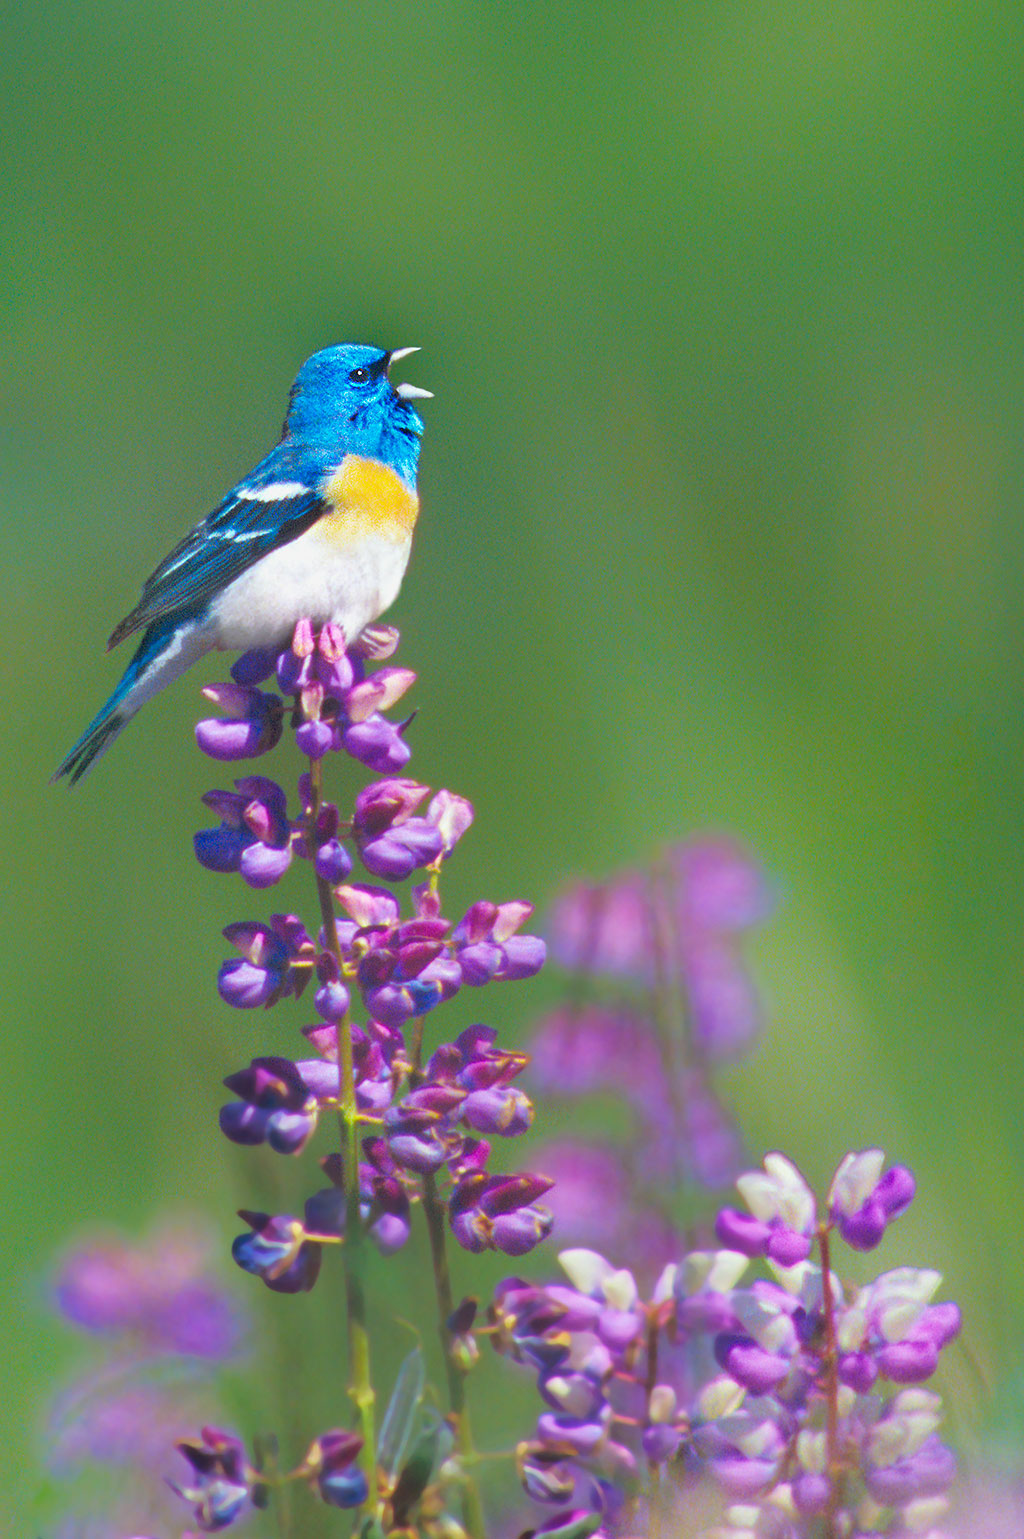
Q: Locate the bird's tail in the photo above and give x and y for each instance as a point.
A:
(167, 649)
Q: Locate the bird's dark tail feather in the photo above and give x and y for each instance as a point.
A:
(95, 740)
(166, 650)
(109, 721)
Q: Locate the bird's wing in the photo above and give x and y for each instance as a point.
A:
(270, 507)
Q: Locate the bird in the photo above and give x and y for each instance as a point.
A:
(321, 528)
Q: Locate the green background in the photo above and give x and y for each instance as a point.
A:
(721, 528)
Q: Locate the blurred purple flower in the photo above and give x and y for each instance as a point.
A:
(159, 1294)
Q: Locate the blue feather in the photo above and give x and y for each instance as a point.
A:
(113, 717)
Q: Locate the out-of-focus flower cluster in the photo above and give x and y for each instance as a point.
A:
(803, 1400)
(661, 995)
(162, 1323)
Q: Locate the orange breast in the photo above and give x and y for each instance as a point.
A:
(367, 498)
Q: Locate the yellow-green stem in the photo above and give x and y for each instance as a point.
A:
(354, 1254)
(433, 1209)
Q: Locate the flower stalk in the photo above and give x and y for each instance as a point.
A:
(433, 1210)
(360, 1379)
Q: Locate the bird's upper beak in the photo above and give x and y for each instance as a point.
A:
(404, 391)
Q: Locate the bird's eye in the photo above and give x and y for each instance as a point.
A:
(359, 376)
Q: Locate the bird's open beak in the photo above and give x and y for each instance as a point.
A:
(404, 391)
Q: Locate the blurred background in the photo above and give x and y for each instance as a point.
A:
(721, 529)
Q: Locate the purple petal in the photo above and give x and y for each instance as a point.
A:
(219, 849)
(811, 1494)
(742, 1232)
(261, 865)
(516, 1233)
(378, 744)
(246, 987)
(525, 955)
(389, 1233)
(314, 738)
(253, 666)
(750, 1365)
(289, 1132)
(332, 861)
(909, 1362)
(242, 1123)
(479, 962)
(787, 1247)
(857, 1371)
(583, 1436)
(863, 1230)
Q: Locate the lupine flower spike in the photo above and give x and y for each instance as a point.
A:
(417, 1126)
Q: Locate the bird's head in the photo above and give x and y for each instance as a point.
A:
(344, 402)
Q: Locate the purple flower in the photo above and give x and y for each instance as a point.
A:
(704, 888)
(863, 1201)
(684, 917)
(392, 842)
(278, 1252)
(751, 1365)
(252, 726)
(499, 1212)
(483, 1071)
(487, 946)
(720, 886)
(254, 837)
(894, 1322)
(744, 1449)
(451, 815)
(782, 1214)
(279, 1102)
(398, 972)
(927, 1472)
(377, 743)
(160, 1293)
(221, 1476)
(337, 706)
(332, 861)
(419, 1131)
(332, 1469)
(364, 732)
(268, 966)
(383, 1199)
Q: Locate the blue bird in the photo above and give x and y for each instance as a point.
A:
(321, 528)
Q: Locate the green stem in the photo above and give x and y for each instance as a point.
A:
(433, 1209)
(283, 1503)
(354, 1250)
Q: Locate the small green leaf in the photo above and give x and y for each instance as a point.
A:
(418, 1468)
(400, 1417)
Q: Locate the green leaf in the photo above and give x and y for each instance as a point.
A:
(400, 1417)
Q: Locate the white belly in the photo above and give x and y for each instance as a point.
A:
(309, 578)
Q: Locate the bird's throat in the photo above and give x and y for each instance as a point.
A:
(366, 497)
